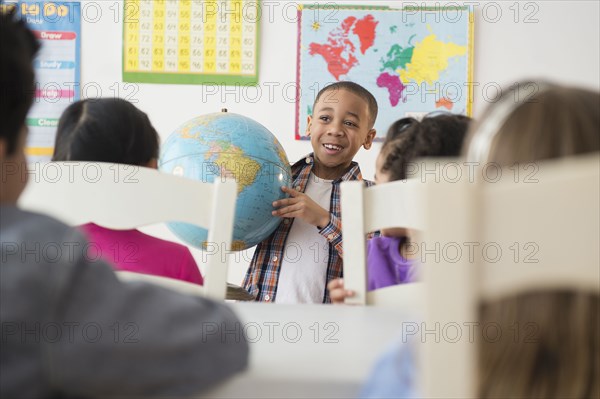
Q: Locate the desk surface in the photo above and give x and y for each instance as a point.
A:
(310, 350)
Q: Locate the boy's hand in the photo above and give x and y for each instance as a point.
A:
(301, 206)
(337, 293)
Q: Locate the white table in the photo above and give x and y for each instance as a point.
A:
(304, 351)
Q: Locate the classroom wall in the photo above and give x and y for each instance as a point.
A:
(556, 40)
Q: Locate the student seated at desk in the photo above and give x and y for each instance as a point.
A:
(70, 328)
(115, 131)
(563, 360)
(389, 260)
(343, 117)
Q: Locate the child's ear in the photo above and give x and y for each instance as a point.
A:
(369, 140)
(308, 125)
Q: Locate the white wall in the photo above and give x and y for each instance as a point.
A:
(561, 42)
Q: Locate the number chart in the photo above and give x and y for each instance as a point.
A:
(191, 41)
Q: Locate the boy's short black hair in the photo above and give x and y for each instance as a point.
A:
(105, 130)
(409, 139)
(18, 47)
(359, 91)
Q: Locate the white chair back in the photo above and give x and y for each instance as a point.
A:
(367, 209)
(124, 197)
(522, 233)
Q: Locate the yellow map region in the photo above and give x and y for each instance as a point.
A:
(235, 164)
(430, 58)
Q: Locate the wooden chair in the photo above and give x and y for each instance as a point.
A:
(547, 229)
(365, 210)
(124, 197)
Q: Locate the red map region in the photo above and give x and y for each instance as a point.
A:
(365, 30)
(339, 50)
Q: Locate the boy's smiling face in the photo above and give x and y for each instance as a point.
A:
(339, 126)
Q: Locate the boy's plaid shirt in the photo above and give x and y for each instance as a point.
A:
(263, 274)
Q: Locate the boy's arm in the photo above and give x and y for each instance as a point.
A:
(333, 233)
(300, 205)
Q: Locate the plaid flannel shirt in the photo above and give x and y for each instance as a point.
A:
(263, 274)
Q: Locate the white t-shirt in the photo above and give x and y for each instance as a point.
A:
(304, 266)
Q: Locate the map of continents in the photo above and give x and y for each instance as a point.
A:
(387, 52)
(339, 51)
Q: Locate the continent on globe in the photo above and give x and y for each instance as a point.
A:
(222, 145)
(231, 162)
(430, 57)
(339, 51)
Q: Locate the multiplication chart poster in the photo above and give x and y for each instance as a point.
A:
(191, 41)
(57, 26)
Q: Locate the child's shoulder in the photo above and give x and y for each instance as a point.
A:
(354, 173)
(303, 162)
(21, 225)
(159, 245)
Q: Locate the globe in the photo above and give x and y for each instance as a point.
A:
(227, 144)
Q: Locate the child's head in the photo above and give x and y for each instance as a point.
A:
(409, 139)
(17, 51)
(536, 121)
(342, 121)
(106, 130)
(562, 357)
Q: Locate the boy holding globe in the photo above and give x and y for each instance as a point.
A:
(296, 262)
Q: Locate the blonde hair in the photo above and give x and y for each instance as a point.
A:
(536, 121)
(549, 344)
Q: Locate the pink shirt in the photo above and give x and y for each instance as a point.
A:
(134, 251)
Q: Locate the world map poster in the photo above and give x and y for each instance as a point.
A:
(414, 61)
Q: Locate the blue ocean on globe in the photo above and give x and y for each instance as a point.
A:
(228, 144)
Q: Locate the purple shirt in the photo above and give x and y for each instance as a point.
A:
(134, 251)
(385, 265)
